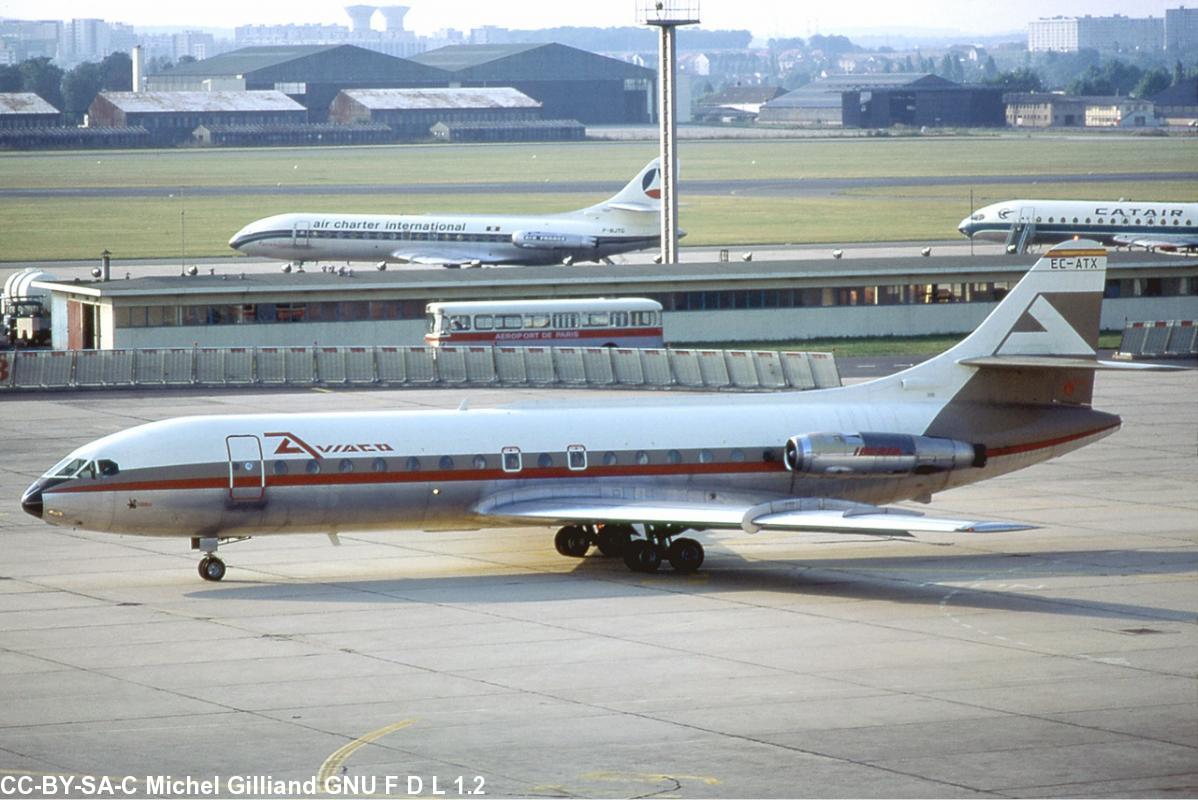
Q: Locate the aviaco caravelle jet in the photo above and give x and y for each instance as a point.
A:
(1170, 227)
(629, 221)
(631, 475)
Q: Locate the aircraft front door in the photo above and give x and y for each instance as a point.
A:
(301, 234)
(247, 472)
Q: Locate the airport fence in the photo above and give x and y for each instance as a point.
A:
(1159, 339)
(579, 367)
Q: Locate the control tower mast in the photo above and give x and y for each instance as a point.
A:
(667, 15)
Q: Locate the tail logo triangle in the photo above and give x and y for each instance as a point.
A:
(1043, 330)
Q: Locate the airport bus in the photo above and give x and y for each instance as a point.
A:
(595, 322)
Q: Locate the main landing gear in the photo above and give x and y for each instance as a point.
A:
(639, 554)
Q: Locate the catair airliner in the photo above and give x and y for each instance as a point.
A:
(628, 476)
(1171, 227)
(627, 222)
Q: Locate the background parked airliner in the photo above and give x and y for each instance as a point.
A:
(1156, 226)
(629, 475)
(629, 221)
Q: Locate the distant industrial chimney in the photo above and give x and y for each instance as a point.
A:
(360, 18)
(394, 16)
(138, 68)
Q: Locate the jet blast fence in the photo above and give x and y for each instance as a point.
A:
(549, 367)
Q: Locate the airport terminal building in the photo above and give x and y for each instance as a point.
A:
(712, 302)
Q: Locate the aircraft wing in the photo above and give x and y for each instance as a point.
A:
(797, 514)
(1160, 241)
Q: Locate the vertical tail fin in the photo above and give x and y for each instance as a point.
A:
(1023, 381)
(643, 193)
(1037, 346)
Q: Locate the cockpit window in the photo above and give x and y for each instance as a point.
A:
(69, 468)
(84, 468)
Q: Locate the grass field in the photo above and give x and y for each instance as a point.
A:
(65, 227)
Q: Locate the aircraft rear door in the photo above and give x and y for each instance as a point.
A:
(301, 234)
(247, 472)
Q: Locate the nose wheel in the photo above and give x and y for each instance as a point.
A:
(212, 568)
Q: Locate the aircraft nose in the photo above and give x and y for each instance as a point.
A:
(31, 501)
(238, 239)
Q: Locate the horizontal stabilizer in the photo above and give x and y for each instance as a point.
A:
(798, 515)
(1055, 362)
(644, 208)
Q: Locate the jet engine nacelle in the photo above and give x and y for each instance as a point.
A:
(869, 454)
(546, 240)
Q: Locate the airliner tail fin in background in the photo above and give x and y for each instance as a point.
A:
(642, 194)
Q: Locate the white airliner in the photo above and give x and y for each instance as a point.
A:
(630, 475)
(627, 222)
(1156, 226)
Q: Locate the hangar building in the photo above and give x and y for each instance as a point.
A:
(882, 101)
(411, 113)
(312, 75)
(568, 82)
(170, 117)
(26, 110)
(1178, 105)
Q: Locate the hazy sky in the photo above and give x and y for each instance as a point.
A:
(765, 18)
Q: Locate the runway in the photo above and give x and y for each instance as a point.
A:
(1052, 662)
(748, 188)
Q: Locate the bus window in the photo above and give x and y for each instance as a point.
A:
(597, 319)
(619, 319)
(508, 322)
(459, 323)
(484, 322)
(565, 320)
(536, 320)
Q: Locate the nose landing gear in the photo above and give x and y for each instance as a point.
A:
(211, 567)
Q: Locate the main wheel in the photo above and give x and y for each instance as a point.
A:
(685, 555)
(614, 539)
(572, 541)
(642, 556)
(212, 568)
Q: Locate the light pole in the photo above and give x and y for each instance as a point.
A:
(667, 15)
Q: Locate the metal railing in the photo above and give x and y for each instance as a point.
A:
(1159, 339)
(578, 367)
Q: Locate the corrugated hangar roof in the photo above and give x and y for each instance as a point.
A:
(528, 62)
(249, 59)
(825, 92)
(24, 103)
(165, 102)
(388, 99)
(312, 63)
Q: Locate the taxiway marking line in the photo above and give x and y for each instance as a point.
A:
(334, 762)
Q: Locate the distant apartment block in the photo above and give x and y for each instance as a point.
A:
(1117, 34)
(1181, 30)
(30, 38)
